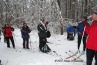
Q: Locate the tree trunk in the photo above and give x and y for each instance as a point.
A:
(62, 31)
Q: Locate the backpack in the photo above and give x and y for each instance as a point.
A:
(48, 34)
(71, 37)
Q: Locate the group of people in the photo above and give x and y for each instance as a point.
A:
(88, 33)
(25, 30)
(80, 30)
(84, 30)
(8, 35)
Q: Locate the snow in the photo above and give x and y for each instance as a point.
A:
(33, 56)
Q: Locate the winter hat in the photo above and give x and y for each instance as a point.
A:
(94, 9)
(85, 17)
(24, 23)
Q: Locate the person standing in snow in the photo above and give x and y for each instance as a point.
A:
(91, 43)
(71, 32)
(82, 33)
(25, 35)
(42, 32)
(8, 35)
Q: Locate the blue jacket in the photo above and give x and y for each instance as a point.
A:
(70, 29)
(25, 32)
(80, 28)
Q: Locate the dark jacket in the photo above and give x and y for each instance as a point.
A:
(80, 29)
(70, 29)
(25, 32)
(41, 31)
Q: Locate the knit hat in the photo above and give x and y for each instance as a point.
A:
(94, 9)
(24, 23)
(85, 17)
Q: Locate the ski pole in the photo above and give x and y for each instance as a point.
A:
(72, 56)
(75, 54)
(69, 55)
(84, 31)
(30, 43)
(58, 54)
(78, 57)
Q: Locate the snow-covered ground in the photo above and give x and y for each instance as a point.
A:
(33, 56)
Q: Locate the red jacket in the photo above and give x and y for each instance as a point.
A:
(8, 32)
(92, 36)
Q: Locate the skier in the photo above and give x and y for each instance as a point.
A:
(42, 32)
(71, 32)
(82, 33)
(25, 35)
(91, 43)
(8, 35)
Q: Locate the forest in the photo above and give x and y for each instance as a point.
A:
(59, 13)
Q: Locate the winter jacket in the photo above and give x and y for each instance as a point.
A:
(92, 36)
(25, 32)
(8, 31)
(41, 31)
(80, 29)
(70, 29)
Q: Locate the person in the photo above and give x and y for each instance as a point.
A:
(42, 36)
(71, 32)
(8, 35)
(25, 35)
(82, 33)
(91, 43)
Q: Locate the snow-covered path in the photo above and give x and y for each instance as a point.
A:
(20, 56)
